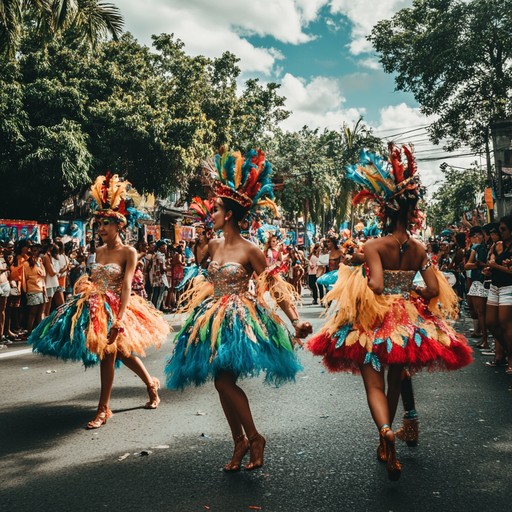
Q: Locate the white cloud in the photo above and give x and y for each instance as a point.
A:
(210, 28)
(364, 14)
(317, 103)
(369, 63)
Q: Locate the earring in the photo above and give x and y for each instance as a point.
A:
(225, 218)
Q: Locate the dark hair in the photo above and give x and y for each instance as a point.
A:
(333, 240)
(435, 247)
(239, 212)
(400, 210)
(507, 220)
(460, 238)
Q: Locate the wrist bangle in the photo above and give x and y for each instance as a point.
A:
(295, 321)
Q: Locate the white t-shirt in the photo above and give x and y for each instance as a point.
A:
(53, 281)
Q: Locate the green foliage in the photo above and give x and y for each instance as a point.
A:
(89, 21)
(454, 56)
(457, 194)
(69, 114)
(312, 163)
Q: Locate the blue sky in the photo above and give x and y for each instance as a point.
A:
(316, 49)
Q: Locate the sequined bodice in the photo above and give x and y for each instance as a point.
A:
(398, 282)
(108, 276)
(229, 278)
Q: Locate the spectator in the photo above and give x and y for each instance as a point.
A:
(157, 275)
(5, 291)
(35, 287)
(499, 301)
(477, 293)
(51, 262)
(64, 266)
(312, 273)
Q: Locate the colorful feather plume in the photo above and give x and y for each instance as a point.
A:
(110, 195)
(246, 180)
(203, 209)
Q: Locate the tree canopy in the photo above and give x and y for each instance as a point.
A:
(455, 57)
(458, 194)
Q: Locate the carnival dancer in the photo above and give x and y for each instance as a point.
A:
(203, 211)
(102, 322)
(380, 319)
(230, 332)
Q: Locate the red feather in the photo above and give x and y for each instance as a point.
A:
(259, 159)
(251, 185)
(363, 196)
(411, 162)
(396, 163)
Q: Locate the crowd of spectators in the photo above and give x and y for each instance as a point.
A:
(36, 278)
(477, 261)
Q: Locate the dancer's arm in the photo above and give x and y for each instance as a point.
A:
(259, 264)
(126, 291)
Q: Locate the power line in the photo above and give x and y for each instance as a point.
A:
(400, 127)
(404, 133)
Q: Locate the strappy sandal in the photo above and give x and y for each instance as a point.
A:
(393, 467)
(102, 415)
(241, 448)
(257, 446)
(409, 432)
(154, 399)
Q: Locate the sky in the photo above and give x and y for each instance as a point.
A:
(315, 49)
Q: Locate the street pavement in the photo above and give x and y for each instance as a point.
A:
(321, 442)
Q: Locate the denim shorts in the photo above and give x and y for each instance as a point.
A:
(500, 296)
(35, 298)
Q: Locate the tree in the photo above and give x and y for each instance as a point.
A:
(90, 21)
(454, 56)
(458, 194)
(69, 114)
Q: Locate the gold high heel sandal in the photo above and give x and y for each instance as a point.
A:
(382, 453)
(394, 468)
(154, 399)
(102, 415)
(409, 432)
(241, 448)
(257, 445)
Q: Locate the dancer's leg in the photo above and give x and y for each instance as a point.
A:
(394, 387)
(107, 367)
(235, 405)
(152, 383)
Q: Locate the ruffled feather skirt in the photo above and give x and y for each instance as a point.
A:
(386, 329)
(78, 330)
(232, 333)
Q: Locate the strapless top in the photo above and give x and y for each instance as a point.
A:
(108, 276)
(398, 282)
(228, 279)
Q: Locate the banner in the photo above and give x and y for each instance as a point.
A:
(16, 230)
(71, 231)
(153, 233)
(186, 233)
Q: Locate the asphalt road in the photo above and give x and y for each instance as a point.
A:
(321, 443)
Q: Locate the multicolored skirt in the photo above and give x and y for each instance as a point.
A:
(78, 330)
(387, 329)
(232, 333)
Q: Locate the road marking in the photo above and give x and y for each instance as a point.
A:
(3, 355)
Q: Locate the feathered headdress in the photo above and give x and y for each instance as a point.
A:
(385, 180)
(266, 231)
(245, 180)
(110, 195)
(203, 209)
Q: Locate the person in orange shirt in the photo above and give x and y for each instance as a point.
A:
(34, 285)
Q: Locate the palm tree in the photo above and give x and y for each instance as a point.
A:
(90, 21)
